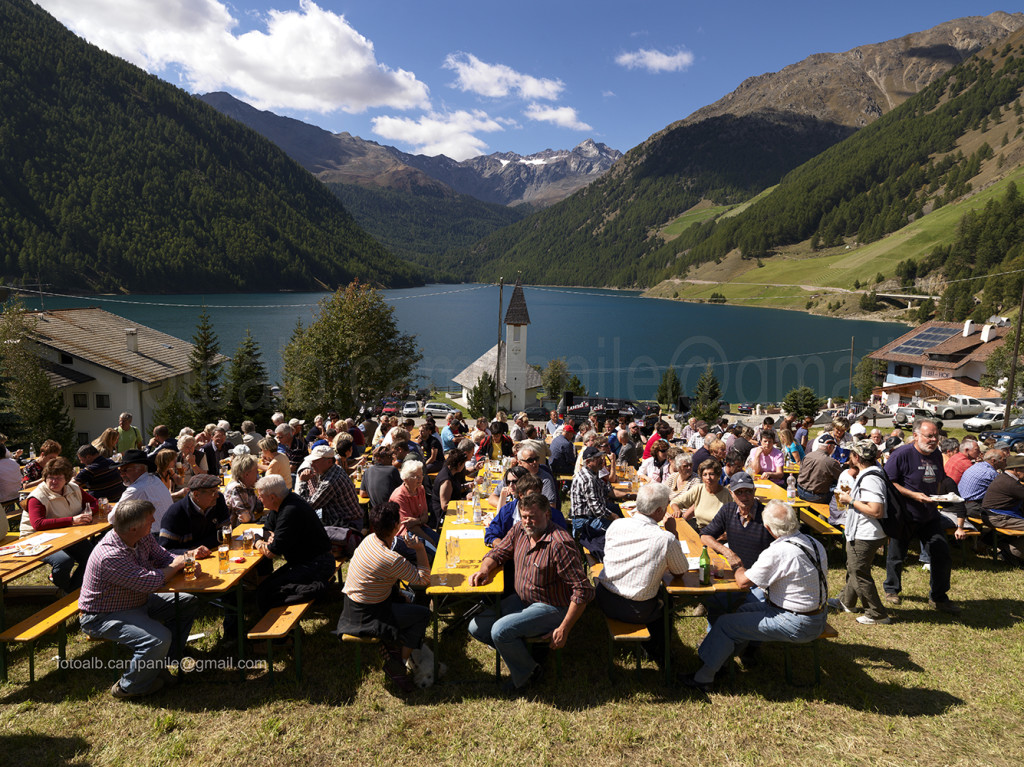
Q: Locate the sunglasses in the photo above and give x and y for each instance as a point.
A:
(529, 460)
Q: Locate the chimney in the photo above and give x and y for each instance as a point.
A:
(131, 337)
(968, 327)
(986, 334)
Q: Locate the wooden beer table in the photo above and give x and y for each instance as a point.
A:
(456, 579)
(212, 582)
(814, 515)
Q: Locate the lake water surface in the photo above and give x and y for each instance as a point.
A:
(618, 343)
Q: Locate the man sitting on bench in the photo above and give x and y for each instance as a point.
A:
(793, 572)
(636, 554)
(118, 602)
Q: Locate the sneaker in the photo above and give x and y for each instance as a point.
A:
(872, 621)
(946, 607)
(927, 567)
(837, 604)
(688, 680)
(893, 599)
(122, 694)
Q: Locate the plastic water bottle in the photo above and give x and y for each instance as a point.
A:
(32, 451)
(791, 488)
(477, 513)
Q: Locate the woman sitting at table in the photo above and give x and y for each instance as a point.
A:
(682, 478)
(33, 470)
(106, 443)
(58, 502)
(657, 468)
(496, 445)
(699, 504)
(430, 445)
(450, 483)
(273, 462)
(166, 468)
(374, 607)
(791, 449)
(193, 460)
(412, 502)
(240, 494)
(766, 459)
(381, 478)
(518, 482)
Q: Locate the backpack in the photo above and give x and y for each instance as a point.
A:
(897, 520)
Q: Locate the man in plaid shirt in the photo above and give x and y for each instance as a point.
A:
(551, 591)
(118, 600)
(329, 490)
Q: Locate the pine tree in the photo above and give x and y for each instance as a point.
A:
(481, 401)
(173, 411)
(246, 393)
(707, 395)
(575, 385)
(670, 389)
(802, 402)
(35, 411)
(204, 390)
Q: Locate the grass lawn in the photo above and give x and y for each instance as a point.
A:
(926, 690)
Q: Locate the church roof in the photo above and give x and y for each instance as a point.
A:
(485, 364)
(517, 314)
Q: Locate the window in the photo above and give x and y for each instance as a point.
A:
(103, 401)
(904, 371)
(515, 333)
(81, 399)
(83, 438)
(66, 359)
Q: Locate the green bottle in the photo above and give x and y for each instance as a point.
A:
(704, 567)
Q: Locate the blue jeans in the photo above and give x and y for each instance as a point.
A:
(507, 633)
(754, 622)
(143, 629)
(805, 495)
(68, 565)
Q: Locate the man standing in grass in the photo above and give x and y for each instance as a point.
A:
(916, 471)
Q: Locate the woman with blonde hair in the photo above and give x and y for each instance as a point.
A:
(165, 462)
(240, 494)
(106, 443)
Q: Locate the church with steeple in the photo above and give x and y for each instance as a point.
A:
(519, 382)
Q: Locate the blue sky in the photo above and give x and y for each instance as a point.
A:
(469, 78)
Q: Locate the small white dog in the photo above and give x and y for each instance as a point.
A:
(421, 667)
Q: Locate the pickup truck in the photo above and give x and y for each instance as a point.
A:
(957, 406)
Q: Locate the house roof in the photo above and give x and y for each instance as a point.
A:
(485, 364)
(944, 387)
(941, 345)
(517, 313)
(98, 336)
(61, 377)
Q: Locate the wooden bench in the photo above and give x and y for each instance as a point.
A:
(829, 632)
(33, 628)
(277, 624)
(997, 531)
(358, 642)
(631, 635)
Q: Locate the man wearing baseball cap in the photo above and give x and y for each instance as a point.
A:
(328, 489)
(818, 471)
(140, 484)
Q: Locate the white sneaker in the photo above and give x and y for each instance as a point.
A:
(835, 603)
(927, 566)
(871, 621)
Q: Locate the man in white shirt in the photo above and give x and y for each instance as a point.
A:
(637, 554)
(859, 430)
(141, 485)
(793, 571)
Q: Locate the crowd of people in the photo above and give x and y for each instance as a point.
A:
(305, 487)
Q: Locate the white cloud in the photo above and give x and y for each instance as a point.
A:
(309, 59)
(563, 117)
(498, 80)
(434, 133)
(655, 61)
(608, 94)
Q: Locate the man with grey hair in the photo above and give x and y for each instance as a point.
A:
(637, 553)
(961, 461)
(118, 600)
(292, 532)
(793, 572)
(250, 438)
(530, 457)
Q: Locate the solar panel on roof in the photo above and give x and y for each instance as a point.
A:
(925, 339)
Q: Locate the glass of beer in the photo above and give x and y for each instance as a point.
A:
(247, 540)
(223, 557)
(190, 566)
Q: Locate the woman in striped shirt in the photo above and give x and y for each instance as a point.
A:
(373, 606)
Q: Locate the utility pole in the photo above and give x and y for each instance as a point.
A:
(849, 393)
(1011, 385)
(497, 364)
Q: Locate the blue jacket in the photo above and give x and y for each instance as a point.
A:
(505, 519)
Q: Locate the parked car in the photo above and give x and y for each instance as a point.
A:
(745, 409)
(537, 413)
(905, 416)
(438, 409)
(1013, 436)
(982, 421)
(411, 409)
(390, 408)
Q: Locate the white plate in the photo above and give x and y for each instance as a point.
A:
(32, 550)
(948, 498)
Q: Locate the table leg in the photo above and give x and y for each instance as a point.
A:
(437, 647)
(497, 655)
(668, 637)
(240, 615)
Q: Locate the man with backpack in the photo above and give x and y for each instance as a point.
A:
(916, 471)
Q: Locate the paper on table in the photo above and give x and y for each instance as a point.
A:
(44, 538)
(466, 534)
(686, 547)
(694, 562)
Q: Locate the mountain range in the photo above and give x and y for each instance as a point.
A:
(503, 178)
